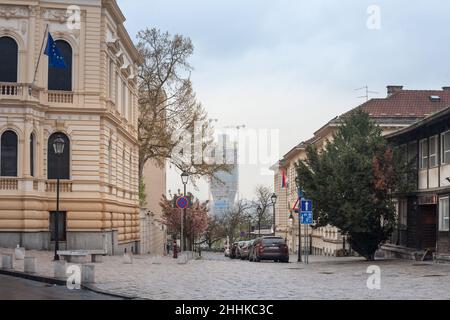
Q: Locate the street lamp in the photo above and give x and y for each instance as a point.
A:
(58, 148)
(184, 179)
(300, 194)
(259, 211)
(274, 198)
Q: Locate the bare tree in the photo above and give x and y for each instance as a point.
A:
(168, 105)
(263, 200)
(236, 217)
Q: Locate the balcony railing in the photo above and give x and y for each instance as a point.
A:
(9, 184)
(64, 186)
(18, 91)
(60, 97)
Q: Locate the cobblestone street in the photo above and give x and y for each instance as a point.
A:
(217, 277)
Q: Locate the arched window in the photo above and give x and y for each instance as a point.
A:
(8, 59)
(8, 154)
(32, 152)
(61, 79)
(58, 165)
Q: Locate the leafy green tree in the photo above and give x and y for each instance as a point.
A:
(350, 182)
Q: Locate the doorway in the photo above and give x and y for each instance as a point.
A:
(428, 220)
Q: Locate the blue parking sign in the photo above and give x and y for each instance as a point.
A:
(307, 217)
(307, 206)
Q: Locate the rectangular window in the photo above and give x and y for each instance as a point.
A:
(402, 212)
(111, 81)
(124, 99)
(61, 226)
(116, 89)
(445, 147)
(434, 147)
(444, 214)
(423, 151)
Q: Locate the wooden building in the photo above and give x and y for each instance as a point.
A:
(423, 212)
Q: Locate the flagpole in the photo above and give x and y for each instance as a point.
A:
(40, 54)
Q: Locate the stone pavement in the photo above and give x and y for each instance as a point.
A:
(12, 288)
(216, 277)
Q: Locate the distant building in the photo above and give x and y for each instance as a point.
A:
(398, 110)
(223, 193)
(153, 230)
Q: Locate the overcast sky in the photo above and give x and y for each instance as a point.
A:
(293, 65)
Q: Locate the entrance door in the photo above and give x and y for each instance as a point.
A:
(61, 226)
(429, 226)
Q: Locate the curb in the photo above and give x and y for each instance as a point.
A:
(58, 282)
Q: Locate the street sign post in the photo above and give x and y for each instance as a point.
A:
(306, 218)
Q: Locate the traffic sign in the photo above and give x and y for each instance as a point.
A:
(182, 202)
(306, 205)
(307, 217)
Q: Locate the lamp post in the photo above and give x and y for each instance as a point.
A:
(259, 211)
(300, 194)
(58, 148)
(184, 179)
(274, 198)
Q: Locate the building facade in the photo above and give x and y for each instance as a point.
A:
(91, 105)
(400, 109)
(423, 211)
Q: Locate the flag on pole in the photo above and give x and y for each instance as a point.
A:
(283, 179)
(55, 58)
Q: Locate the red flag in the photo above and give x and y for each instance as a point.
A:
(283, 179)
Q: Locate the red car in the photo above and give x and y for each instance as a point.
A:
(270, 248)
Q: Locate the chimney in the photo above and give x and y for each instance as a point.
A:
(393, 89)
(446, 88)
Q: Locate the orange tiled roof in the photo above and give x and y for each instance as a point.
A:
(407, 104)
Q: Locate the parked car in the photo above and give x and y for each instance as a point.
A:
(270, 248)
(233, 250)
(243, 250)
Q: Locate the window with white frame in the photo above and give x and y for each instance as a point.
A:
(434, 147)
(444, 214)
(423, 151)
(445, 147)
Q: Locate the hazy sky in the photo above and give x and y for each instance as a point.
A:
(293, 65)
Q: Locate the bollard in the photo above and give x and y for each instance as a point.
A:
(59, 269)
(127, 258)
(19, 253)
(7, 261)
(87, 274)
(30, 265)
(182, 259)
(156, 259)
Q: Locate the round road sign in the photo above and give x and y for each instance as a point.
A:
(182, 202)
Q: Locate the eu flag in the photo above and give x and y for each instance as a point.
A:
(55, 58)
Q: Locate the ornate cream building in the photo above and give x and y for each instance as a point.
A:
(92, 105)
(398, 110)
